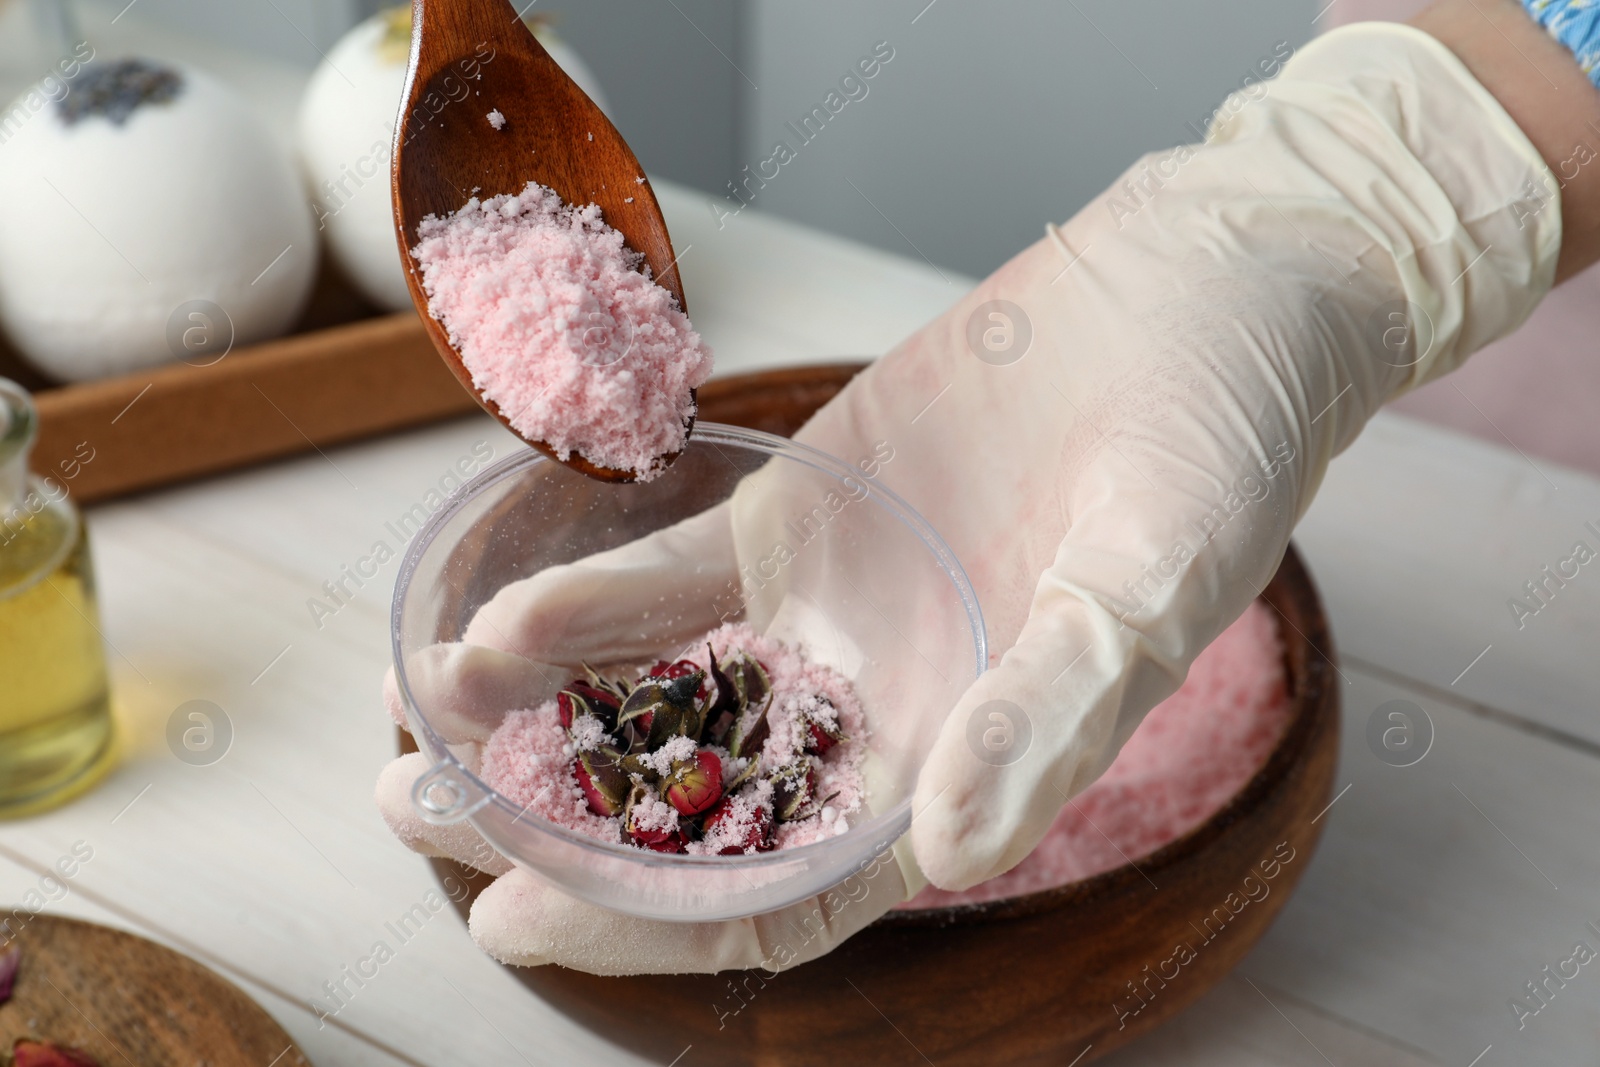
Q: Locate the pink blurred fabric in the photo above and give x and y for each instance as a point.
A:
(1539, 389)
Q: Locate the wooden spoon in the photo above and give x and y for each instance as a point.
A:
(472, 56)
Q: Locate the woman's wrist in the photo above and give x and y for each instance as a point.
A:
(1545, 91)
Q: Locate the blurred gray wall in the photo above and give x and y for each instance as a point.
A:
(672, 94)
(993, 117)
(295, 30)
(667, 68)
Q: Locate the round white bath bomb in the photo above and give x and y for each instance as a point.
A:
(346, 135)
(117, 226)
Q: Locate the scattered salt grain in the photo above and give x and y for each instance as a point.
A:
(674, 750)
(588, 732)
(653, 813)
(497, 120)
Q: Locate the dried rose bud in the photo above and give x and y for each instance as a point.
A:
(823, 733)
(657, 711)
(792, 789)
(682, 668)
(696, 784)
(823, 738)
(10, 961)
(670, 841)
(654, 838)
(26, 1053)
(685, 689)
(642, 704)
(604, 784)
(581, 698)
(672, 721)
(757, 835)
(678, 669)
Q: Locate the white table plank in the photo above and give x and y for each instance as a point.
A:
(1420, 537)
(1434, 898)
(1240, 1025)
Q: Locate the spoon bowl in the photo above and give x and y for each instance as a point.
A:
(470, 57)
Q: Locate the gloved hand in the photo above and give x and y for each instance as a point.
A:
(1116, 433)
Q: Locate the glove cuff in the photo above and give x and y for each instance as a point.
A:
(1474, 274)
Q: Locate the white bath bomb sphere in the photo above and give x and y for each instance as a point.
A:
(113, 220)
(346, 136)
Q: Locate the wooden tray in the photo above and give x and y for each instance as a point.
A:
(349, 372)
(123, 1000)
(1030, 980)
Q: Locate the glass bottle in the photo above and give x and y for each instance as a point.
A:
(55, 707)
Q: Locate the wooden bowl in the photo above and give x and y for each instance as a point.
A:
(1057, 977)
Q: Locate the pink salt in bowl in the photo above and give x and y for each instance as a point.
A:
(1029, 969)
(859, 570)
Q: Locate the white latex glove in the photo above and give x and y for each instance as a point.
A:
(1121, 479)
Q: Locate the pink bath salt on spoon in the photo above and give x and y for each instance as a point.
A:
(559, 327)
(535, 250)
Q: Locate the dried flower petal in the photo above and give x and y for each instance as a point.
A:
(747, 739)
(724, 709)
(752, 767)
(793, 787)
(749, 676)
(619, 689)
(26, 1053)
(644, 700)
(10, 960)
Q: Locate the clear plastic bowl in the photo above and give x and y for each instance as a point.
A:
(865, 586)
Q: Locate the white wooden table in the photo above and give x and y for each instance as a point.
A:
(1439, 890)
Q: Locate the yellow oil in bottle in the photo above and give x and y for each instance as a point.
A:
(55, 712)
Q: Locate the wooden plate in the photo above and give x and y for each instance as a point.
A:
(1058, 977)
(125, 1000)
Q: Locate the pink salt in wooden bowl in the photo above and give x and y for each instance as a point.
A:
(1033, 979)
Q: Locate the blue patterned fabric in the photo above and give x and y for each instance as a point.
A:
(1576, 24)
